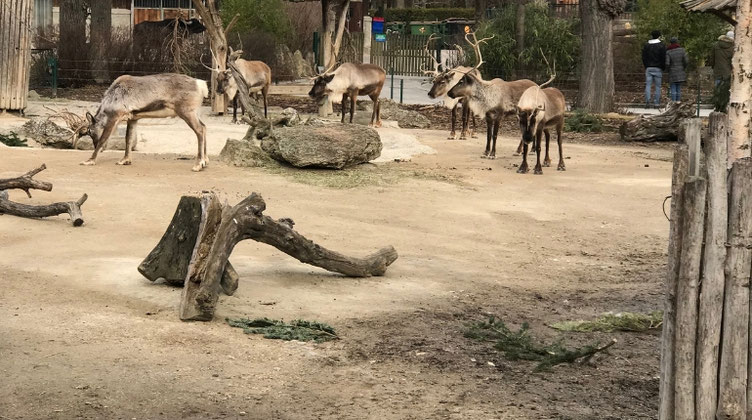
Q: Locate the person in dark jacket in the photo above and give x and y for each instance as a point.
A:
(676, 65)
(654, 60)
(720, 57)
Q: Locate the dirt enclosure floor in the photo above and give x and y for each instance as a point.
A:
(84, 335)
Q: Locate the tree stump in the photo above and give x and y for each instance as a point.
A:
(170, 259)
(661, 127)
(215, 229)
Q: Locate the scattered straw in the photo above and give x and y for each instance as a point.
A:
(624, 321)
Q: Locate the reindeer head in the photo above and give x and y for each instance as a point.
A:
(320, 89)
(464, 87)
(224, 80)
(530, 118)
(96, 128)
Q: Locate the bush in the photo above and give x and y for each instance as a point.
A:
(266, 16)
(582, 121)
(12, 140)
(422, 15)
(557, 38)
(697, 32)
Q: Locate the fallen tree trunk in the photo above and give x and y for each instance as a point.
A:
(661, 127)
(73, 208)
(170, 259)
(222, 229)
(26, 182)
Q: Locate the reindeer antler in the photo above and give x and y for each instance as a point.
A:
(333, 63)
(553, 71)
(436, 63)
(475, 43)
(215, 60)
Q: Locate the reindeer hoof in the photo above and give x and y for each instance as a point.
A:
(561, 168)
(538, 171)
(546, 163)
(123, 162)
(522, 170)
(88, 163)
(492, 157)
(197, 168)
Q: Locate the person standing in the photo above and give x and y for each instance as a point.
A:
(654, 60)
(676, 65)
(720, 57)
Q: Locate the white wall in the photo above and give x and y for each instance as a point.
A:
(121, 18)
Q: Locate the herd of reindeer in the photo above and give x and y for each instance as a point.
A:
(539, 109)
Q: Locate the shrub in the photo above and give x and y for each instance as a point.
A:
(266, 16)
(12, 140)
(557, 38)
(421, 15)
(582, 121)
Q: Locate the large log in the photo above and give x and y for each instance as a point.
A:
(666, 385)
(693, 221)
(732, 390)
(169, 260)
(26, 182)
(73, 208)
(661, 127)
(713, 277)
(247, 221)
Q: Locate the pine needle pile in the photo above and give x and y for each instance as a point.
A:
(581, 121)
(296, 330)
(625, 321)
(521, 345)
(12, 140)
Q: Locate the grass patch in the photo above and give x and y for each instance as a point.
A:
(581, 121)
(625, 321)
(521, 345)
(12, 140)
(296, 330)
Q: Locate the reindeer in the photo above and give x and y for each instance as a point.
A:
(442, 82)
(349, 81)
(540, 110)
(132, 98)
(256, 74)
(493, 98)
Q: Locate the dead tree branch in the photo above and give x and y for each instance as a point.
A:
(73, 208)
(26, 182)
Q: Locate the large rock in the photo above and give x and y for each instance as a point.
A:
(243, 153)
(391, 110)
(323, 146)
(47, 133)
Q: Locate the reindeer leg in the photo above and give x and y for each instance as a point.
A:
(547, 160)
(496, 124)
(474, 132)
(353, 102)
(523, 166)
(561, 152)
(453, 134)
(130, 137)
(465, 120)
(377, 106)
(489, 134)
(264, 93)
(538, 170)
(344, 107)
(199, 128)
(106, 133)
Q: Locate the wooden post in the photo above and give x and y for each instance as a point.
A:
(692, 129)
(732, 391)
(681, 163)
(740, 98)
(713, 277)
(692, 224)
(15, 52)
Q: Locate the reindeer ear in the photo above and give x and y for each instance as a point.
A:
(328, 78)
(90, 118)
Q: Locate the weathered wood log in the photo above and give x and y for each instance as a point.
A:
(661, 127)
(73, 208)
(247, 221)
(693, 223)
(169, 260)
(666, 385)
(732, 389)
(26, 182)
(713, 277)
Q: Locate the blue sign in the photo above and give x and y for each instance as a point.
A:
(379, 37)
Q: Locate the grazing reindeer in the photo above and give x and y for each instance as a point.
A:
(132, 98)
(539, 110)
(442, 82)
(256, 74)
(494, 98)
(349, 81)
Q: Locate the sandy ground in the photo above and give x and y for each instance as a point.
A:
(85, 336)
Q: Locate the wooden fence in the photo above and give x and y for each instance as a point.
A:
(16, 21)
(402, 54)
(705, 343)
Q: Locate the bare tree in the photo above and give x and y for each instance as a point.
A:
(597, 66)
(71, 48)
(101, 29)
(520, 33)
(740, 100)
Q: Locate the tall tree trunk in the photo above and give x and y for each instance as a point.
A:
(101, 25)
(740, 100)
(209, 13)
(480, 9)
(72, 45)
(519, 37)
(597, 65)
